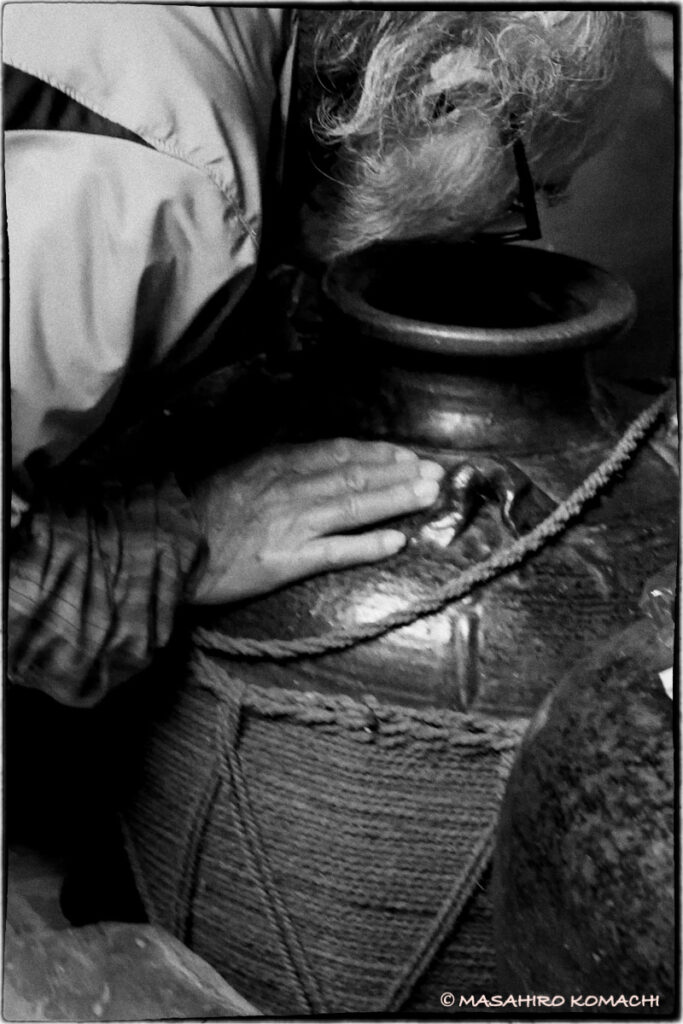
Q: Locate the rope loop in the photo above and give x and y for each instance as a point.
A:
(506, 558)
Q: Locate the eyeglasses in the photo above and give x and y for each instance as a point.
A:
(523, 209)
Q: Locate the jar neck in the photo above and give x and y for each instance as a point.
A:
(510, 404)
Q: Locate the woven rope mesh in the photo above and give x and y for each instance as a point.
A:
(309, 846)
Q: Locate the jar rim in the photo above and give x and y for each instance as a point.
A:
(607, 303)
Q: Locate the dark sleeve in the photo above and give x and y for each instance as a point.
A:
(93, 591)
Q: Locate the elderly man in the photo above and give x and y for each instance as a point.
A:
(144, 146)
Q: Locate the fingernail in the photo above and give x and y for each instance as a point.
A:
(404, 455)
(426, 490)
(394, 540)
(431, 470)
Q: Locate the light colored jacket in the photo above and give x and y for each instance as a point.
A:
(107, 236)
(115, 246)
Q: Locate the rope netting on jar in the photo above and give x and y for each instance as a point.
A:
(324, 854)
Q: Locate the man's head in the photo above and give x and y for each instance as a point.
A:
(416, 111)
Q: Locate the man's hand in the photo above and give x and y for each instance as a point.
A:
(284, 514)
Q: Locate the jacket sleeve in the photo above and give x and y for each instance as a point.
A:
(93, 591)
(106, 276)
(127, 253)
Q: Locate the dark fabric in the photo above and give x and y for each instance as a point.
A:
(30, 103)
(63, 769)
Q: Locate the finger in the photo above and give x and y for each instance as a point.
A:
(341, 552)
(341, 451)
(357, 478)
(354, 510)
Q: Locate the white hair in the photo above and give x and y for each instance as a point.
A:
(419, 105)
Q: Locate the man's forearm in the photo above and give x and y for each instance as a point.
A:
(93, 592)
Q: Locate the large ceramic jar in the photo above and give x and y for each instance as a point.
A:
(475, 356)
(320, 829)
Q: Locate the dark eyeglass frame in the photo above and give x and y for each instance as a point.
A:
(525, 203)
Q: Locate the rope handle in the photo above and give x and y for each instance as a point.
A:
(505, 558)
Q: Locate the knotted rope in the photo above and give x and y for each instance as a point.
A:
(446, 918)
(506, 558)
(290, 946)
(476, 750)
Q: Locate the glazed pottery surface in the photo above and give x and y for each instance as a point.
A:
(474, 356)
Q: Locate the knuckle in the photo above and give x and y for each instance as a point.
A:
(271, 465)
(262, 559)
(287, 528)
(340, 450)
(296, 458)
(273, 494)
(356, 479)
(351, 507)
(331, 554)
(385, 449)
(373, 548)
(376, 546)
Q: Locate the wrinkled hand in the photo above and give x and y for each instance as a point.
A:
(284, 514)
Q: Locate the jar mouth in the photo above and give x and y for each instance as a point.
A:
(475, 299)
